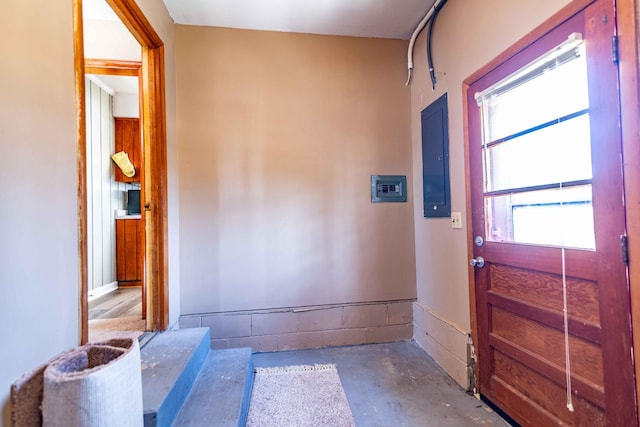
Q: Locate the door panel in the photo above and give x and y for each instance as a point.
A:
(534, 288)
(522, 290)
(514, 378)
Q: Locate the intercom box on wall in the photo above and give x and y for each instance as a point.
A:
(388, 188)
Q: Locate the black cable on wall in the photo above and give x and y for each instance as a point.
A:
(432, 71)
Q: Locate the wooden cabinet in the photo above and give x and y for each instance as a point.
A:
(127, 139)
(130, 251)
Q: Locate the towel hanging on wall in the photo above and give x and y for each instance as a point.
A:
(122, 160)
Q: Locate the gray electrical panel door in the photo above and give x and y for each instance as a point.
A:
(435, 159)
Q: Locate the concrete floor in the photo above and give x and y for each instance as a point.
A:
(394, 384)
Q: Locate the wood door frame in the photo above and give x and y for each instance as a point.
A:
(153, 122)
(629, 70)
(112, 67)
(565, 13)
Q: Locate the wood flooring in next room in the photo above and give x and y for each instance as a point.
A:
(123, 302)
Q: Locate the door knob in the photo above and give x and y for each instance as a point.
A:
(477, 262)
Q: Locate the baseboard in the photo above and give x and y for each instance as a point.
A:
(444, 341)
(102, 290)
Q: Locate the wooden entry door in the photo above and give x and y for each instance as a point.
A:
(546, 194)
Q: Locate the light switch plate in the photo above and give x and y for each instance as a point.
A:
(456, 219)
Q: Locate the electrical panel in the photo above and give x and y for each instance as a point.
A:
(435, 160)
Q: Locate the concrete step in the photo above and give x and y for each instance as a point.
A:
(221, 394)
(171, 362)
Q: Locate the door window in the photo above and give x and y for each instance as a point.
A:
(536, 152)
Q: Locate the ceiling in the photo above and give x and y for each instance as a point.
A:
(360, 18)
(118, 84)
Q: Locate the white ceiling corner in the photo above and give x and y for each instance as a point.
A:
(119, 84)
(359, 18)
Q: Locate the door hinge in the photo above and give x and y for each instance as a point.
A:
(624, 248)
(614, 49)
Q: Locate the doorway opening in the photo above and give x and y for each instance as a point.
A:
(153, 186)
(115, 237)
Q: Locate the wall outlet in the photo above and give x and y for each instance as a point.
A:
(456, 219)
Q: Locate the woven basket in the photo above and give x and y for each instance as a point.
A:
(95, 385)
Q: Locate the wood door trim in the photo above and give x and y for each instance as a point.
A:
(629, 70)
(619, 383)
(471, 278)
(112, 67)
(81, 135)
(153, 118)
(153, 121)
(132, 17)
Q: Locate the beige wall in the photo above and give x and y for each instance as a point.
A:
(467, 35)
(38, 215)
(279, 134)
